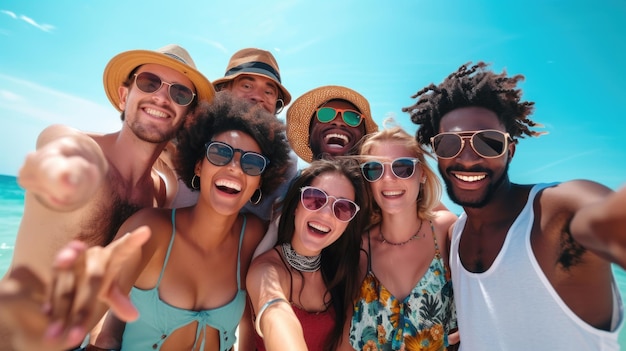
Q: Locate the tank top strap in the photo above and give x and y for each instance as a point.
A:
(243, 231)
(432, 228)
(369, 252)
(169, 248)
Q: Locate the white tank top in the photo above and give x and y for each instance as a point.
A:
(513, 306)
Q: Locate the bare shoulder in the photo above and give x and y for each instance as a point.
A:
(443, 220)
(265, 267)
(571, 195)
(159, 221)
(255, 230)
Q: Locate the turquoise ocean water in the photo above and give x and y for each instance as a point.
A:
(12, 202)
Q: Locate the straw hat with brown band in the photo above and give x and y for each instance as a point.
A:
(255, 62)
(300, 114)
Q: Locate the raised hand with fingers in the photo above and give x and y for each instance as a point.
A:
(87, 282)
(66, 169)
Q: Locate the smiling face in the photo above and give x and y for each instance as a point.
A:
(471, 180)
(227, 188)
(315, 230)
(334, 138)
(256, 89)
(154, 117)
(393, 194)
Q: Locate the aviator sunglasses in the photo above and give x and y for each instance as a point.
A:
(349, 116)
(151, 83)
(402, 168)
(314, 199)
(486, 143)
(220, 154)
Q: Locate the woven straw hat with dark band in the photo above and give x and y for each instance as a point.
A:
(256, 62)
(300, 114)
(172, 56)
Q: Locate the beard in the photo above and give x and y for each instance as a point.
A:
(478, 202)
(151, 135)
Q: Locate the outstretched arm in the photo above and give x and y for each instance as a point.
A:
(601, 226)
(275, 320)
(85, 286)
(66, 169)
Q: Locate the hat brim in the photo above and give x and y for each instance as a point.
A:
(118, 70)
(285, 93)
(301, 111)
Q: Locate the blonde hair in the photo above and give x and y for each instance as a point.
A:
(430, 191)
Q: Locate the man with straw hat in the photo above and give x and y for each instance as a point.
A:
(328, 121)
(325, 121)
(251, 74)
(83, 185)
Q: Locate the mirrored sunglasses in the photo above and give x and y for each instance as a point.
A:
(220, 154)
(402, 168)
(151, 83)
(350, 117)
(486, 143)
(314, 199)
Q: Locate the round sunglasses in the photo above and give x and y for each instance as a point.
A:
(486, 143)
(349, 116)
(402, 168)
(151, 83)
(314, 199)
(220, 154)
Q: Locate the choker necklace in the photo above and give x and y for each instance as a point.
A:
(300, 262)
(414, 236)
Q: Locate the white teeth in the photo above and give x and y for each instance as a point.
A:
(473, 178)
(319, 227)
(228, 184)
(336, 135)
(392, 193)
(156, 113)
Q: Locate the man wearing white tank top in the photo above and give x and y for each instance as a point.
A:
(531, 264)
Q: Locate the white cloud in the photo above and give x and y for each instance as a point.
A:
(44, 27)
(9, 13)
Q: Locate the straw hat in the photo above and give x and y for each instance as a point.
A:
(173, 56)
(256, 62)
(300, 114)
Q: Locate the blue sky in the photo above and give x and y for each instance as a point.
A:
(573, 54)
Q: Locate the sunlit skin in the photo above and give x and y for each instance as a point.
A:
(230, 187)
(392, 194)
(471, 180)
(154, 117)
(315, 230)
(256, 89)
(335, 138)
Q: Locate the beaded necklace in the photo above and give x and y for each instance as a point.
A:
(300, 262)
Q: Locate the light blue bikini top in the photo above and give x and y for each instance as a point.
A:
(157, 319)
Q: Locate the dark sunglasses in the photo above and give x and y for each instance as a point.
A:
(486, 143)
(349, 116)
(220, 154)
(402, 168)
(314, 199)
(151, 83)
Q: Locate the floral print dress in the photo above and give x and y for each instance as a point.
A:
(421, 321)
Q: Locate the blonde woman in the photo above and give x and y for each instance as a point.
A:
(406, 300)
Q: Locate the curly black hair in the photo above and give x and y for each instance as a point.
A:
(340, 260)
(225, 113)
(473, 85)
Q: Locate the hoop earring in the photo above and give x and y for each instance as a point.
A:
(193, 186)
(256, 197)
(280, 104)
